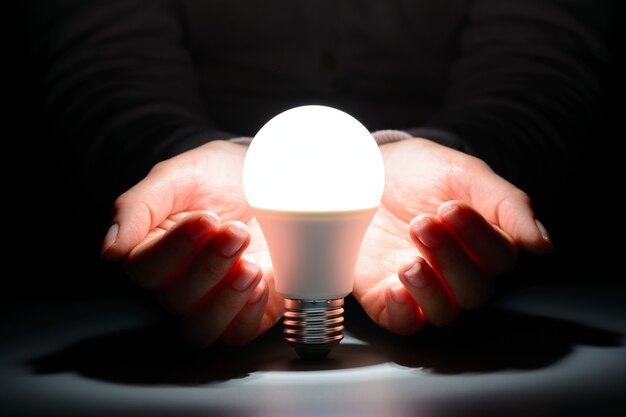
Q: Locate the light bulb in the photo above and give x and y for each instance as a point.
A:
(313, 176)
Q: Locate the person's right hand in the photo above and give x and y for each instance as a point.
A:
(182, 232)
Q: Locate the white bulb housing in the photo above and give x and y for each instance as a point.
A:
(314, 177)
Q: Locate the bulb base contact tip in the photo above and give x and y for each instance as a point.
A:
(313, 327)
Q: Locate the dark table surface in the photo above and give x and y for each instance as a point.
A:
(535, 351)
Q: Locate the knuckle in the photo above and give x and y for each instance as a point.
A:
(160, 167)
(121, 201)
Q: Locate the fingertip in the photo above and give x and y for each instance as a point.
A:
(546, 245)
(407, 264)
(452, 214)
(427, 231)
(259, 292)
(403, 315)
(247, 274)
(205, 225)
(398, 293)
(107, 252)
(516, 218)
(415, 223)
(415, 273)
(249, 322)
(534, 238)
(233, 237)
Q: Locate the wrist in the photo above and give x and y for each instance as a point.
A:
(242, 140)
(386, 136)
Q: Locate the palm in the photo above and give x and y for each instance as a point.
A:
(208, 178)
(413, 185)
(224, 196)
(385, 246)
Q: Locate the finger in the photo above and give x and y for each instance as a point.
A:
(429, 292)
(401, 314)
(469, 285)
(206, 269)
(494, 251)
(249, 323)
(143, 207)
(209, 320)
(511, 209)
(151, 264)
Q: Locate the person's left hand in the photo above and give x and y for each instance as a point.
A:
(447, 225)
(186, 233)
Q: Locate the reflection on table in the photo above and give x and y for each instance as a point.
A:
(540, 351)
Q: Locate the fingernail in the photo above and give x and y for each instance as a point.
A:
(110, 237)
(416, 276)
(544, 232)
(427, 232)
(257, 293)
(453, 215)
(203, 228)
(231, 240)
(246, 275)
(398, 293)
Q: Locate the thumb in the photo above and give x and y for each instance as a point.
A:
(508, 207)
(515, 216)
(137, 211)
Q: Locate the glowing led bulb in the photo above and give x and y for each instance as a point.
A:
(314, 177)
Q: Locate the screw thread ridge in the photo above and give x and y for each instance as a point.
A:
(313, 323)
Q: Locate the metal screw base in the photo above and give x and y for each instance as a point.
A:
(313, 327)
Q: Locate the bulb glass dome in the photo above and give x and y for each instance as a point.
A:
(313, 159)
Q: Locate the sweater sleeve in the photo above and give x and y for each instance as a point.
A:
(119, 85)
(527, 85)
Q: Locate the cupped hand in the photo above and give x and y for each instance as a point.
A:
(446, 227)
(186, 232)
